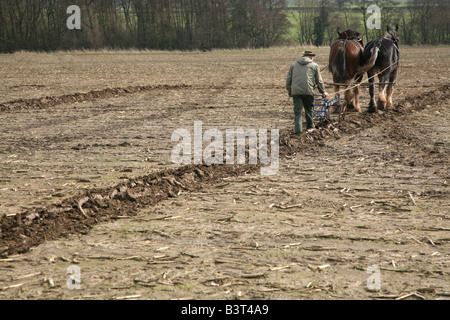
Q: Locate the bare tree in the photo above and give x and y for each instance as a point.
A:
(304, 21)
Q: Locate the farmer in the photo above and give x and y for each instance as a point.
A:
(303, 77)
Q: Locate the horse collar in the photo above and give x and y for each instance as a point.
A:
(344, 41)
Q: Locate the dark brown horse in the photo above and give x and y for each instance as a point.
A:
(386, 62)
(346, 57)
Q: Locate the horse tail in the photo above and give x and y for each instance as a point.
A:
(339, 66)
(370, 62)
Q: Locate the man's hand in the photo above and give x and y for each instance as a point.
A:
(325, 94)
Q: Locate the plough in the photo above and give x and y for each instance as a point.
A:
(322, 107)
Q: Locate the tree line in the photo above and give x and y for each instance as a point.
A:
(40, 25)
(421, 22)
(141, 24)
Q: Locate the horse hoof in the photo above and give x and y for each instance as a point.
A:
(381, 106)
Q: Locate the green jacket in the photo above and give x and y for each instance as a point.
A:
(303, 77)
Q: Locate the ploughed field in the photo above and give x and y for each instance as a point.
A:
(87, 180)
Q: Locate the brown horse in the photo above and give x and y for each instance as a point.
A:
(346, 57)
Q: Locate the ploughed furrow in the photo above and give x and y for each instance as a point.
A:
(22, 231)
(51, 101)
(46, 102)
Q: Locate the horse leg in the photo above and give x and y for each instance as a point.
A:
(333, 108)
(342, 110)
(347, 101)
(348, 98)
(390, 89)
(372, 105)
(356, 92)
(381, 90)
(381, 105)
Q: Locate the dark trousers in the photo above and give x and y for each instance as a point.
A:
(306, 102)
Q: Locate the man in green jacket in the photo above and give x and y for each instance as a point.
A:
(303, 77)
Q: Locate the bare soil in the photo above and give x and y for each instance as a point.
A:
(87, 180)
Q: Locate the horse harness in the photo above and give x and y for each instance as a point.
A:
(344, 42)
(397, 51)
